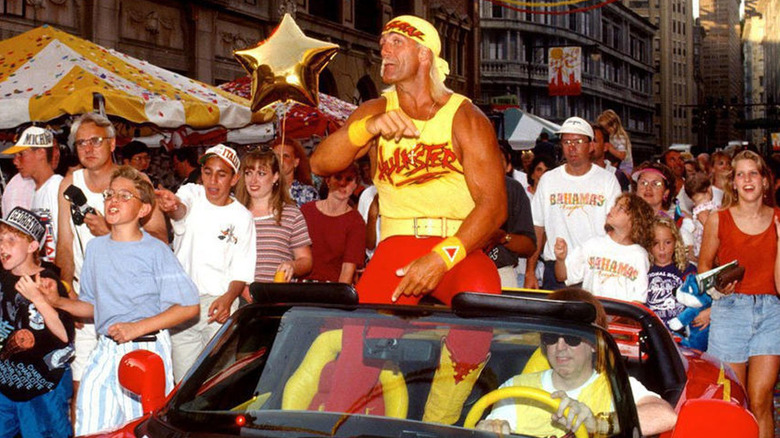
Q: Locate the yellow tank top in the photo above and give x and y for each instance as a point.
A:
(422, 177)
(535, 419)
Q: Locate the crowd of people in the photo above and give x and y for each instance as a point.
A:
(238, 215)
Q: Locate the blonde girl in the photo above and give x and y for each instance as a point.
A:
(619, 143)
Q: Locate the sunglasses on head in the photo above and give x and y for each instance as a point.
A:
(552, 338)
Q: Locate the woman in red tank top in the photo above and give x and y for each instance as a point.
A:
(745, 323)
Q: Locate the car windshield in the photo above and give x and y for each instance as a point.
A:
(352, 372)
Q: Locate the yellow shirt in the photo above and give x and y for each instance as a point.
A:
(422, 177)
(534, 419)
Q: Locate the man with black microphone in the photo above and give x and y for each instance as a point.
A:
(94, 140)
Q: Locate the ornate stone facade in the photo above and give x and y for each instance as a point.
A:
(197, 38)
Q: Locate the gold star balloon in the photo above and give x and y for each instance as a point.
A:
(286, 66)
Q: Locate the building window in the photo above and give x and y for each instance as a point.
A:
(368, 16)
(327, 9)
(402, 7)
(497, 11)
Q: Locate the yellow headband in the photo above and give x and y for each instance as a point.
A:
(422, 32)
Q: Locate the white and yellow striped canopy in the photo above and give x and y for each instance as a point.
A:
(46, 73)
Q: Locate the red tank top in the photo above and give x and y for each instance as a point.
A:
(756, 253)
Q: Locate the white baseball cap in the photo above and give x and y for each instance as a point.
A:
(32, 137)
(576, 125)
(226, 153)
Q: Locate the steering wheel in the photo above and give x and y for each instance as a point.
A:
(544, 397)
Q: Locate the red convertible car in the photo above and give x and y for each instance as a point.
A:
(273, 367)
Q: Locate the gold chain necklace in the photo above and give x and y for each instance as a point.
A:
(413, 149)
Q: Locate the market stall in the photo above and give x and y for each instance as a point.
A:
(47, 74)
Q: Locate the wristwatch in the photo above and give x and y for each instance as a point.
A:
(507, 238)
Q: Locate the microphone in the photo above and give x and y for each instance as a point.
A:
(78, 204)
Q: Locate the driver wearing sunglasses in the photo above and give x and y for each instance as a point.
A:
(572, 378)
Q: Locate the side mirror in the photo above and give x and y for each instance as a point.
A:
(143, 373)
(712, 417)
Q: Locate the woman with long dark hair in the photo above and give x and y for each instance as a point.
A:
(283, 243)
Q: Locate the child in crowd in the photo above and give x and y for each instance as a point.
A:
(669, 270)
(35, 339)
(283, 243)
(126, 318)
(619, 144)
(614, 265)
(699, 188)
(215, 241)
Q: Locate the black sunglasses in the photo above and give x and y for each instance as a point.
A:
(552, 338)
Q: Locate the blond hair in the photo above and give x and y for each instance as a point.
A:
(610, 118)
(679, 258)
(730, 197)
(140, 182)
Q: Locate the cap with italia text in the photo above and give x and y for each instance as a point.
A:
(227, 154)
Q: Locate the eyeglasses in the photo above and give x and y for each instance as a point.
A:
(552, 338)
(576, 142)
(91, 142)
(122, 195)
(657, 184)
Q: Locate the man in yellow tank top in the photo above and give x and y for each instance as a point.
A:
(437, 168)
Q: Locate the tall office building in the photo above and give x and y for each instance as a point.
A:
(674, 88)
(722, 71)
(616, 65)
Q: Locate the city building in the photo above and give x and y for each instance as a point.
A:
(722, 72)
(617, 68)
(753, 34)
(197, 38)
(674, 89)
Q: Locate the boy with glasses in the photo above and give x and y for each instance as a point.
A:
(94, 140)
(126, 318)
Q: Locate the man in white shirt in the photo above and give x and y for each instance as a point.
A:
(34, 154)
(215, 241)
(571, 201)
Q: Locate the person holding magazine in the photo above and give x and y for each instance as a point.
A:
(745, 322)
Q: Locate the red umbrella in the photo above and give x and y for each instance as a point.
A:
(302, 121)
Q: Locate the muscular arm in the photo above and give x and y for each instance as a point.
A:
(473, 137)
(476, 145)
(336, 152)
(64, 256)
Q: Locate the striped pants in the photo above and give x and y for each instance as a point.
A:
(102, 404)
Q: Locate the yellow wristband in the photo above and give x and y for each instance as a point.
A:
(358, 133)
(451, 250)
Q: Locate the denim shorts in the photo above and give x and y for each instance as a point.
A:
(743, 325)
